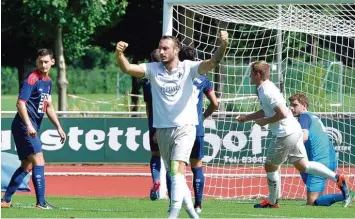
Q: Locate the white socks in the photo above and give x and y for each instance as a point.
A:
(273, 182)
(319, 169)
(180, 194)
(188, 204)
(178, 184)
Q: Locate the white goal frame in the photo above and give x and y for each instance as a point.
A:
(168, 20)
(168, 6)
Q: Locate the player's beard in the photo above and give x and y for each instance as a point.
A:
(166, 62)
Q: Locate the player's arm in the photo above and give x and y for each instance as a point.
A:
(213, 106)
(147, 105)
(277, 103)
(131, 69)
(305, 122)
(252, 116)
(281, 112)
(22, 111)
(26, 90)
(52, 115)
(147, 96)
(212, 63)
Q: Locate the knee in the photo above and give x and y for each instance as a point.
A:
(301, 165)
(156, 153)
(37, 159)
(177, 167)
(26, 166)
(270, 168)
(195, 163)
(310, 202)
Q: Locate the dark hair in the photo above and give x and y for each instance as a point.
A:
(187, 53)
(45, 52)
(154, 56)
(174, 39)
(302, 99)
(261, 67)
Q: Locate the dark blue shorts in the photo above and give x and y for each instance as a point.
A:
(197, 150)
(317, 183)
(153, 146)
(25, 145)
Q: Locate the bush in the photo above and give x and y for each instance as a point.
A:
(9, 80)
(96, 72)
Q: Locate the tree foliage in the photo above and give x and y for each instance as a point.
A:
(79, 19)
(29, 25)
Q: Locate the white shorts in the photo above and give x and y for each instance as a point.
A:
(176, 143)
(289, 147)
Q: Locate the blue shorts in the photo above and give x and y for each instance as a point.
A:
(198, 148)
(153, 146)
(317, 183)
(25, 145)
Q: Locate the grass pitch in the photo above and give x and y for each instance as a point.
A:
(77, 207)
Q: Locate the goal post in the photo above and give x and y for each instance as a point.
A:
(311, 48)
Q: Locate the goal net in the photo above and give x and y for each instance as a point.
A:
(311, 50)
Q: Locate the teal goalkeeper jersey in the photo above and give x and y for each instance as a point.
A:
(319, 146)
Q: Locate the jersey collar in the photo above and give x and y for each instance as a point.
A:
(174, 70)
(44, 78)
(264, 82)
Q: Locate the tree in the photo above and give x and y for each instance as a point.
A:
(141, 28)
(17, 46)
(68, 24)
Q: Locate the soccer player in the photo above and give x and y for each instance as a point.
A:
(155, 161)
(201, 86)
(33, 101)
(319, 148)
(174, 109)
(287, 140)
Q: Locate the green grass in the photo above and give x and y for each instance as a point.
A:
(76, 207)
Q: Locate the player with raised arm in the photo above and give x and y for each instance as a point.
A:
(174, 109)
(33, 101)
(201, 86)
(319, 148)
(287, 140)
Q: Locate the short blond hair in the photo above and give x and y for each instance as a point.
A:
(262, 67)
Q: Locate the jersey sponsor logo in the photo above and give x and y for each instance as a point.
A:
(170, 89)
(335, 135)
(179, 75)
(42, 107)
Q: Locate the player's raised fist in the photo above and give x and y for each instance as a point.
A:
(121, 46)
(224, 37)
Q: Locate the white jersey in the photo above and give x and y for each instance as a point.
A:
(172, 99)
(270, 97)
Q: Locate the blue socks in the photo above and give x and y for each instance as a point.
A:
(155, 165)
(15, 182)
(39, 183)
(198, 184)
(328, 199)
